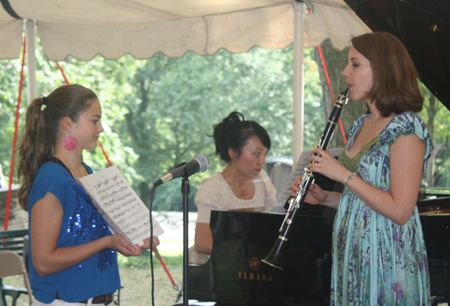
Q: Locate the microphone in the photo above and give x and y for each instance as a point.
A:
(199, 163)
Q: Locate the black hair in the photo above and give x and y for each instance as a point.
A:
(234, 131)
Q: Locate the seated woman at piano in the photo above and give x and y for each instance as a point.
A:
(242, 185)
(379, 254)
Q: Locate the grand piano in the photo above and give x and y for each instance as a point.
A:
(234, 274)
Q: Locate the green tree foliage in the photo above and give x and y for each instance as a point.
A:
(9, 87)
(435, 115)
(175, 103)
(160, 112)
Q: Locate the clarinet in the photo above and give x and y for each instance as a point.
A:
(276, 254)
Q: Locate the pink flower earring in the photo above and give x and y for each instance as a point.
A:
(70, 143)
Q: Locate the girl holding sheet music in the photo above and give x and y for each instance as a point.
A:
(73, 253)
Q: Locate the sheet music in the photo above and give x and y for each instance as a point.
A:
(298, 171)
(119, 205)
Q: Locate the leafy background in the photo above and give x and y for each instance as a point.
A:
(160, 112)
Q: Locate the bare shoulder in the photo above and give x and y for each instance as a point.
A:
(408, 145)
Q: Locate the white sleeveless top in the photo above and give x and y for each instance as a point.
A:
(214, 193)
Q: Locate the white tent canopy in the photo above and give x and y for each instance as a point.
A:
(85, 28)
(113, 28)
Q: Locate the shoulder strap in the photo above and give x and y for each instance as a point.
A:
(58, 161)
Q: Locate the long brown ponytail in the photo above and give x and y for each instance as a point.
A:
(41, 129)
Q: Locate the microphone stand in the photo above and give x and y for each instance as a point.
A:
(185, 190)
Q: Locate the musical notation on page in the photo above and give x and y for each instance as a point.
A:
(119, 205)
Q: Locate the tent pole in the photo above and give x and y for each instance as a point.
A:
(298, 86)
(31, 61)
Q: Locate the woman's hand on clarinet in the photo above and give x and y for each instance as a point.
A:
(328, 166)
(315, 194)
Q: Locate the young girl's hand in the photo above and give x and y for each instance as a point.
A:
(121, 245)
(146, 244)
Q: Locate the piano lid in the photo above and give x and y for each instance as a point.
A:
(424, 28)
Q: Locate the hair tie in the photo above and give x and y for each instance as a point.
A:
(44, 100)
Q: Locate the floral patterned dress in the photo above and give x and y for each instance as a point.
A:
(376, 261)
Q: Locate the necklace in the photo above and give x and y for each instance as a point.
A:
(241, 187)
(373, 122)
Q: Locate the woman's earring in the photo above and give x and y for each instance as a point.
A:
(70, 143)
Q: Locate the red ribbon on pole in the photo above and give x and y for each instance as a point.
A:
(158, 256)
(16, 127)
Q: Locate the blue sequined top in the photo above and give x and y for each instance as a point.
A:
(81, 223)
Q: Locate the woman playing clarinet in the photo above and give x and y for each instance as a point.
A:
(379, 254)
